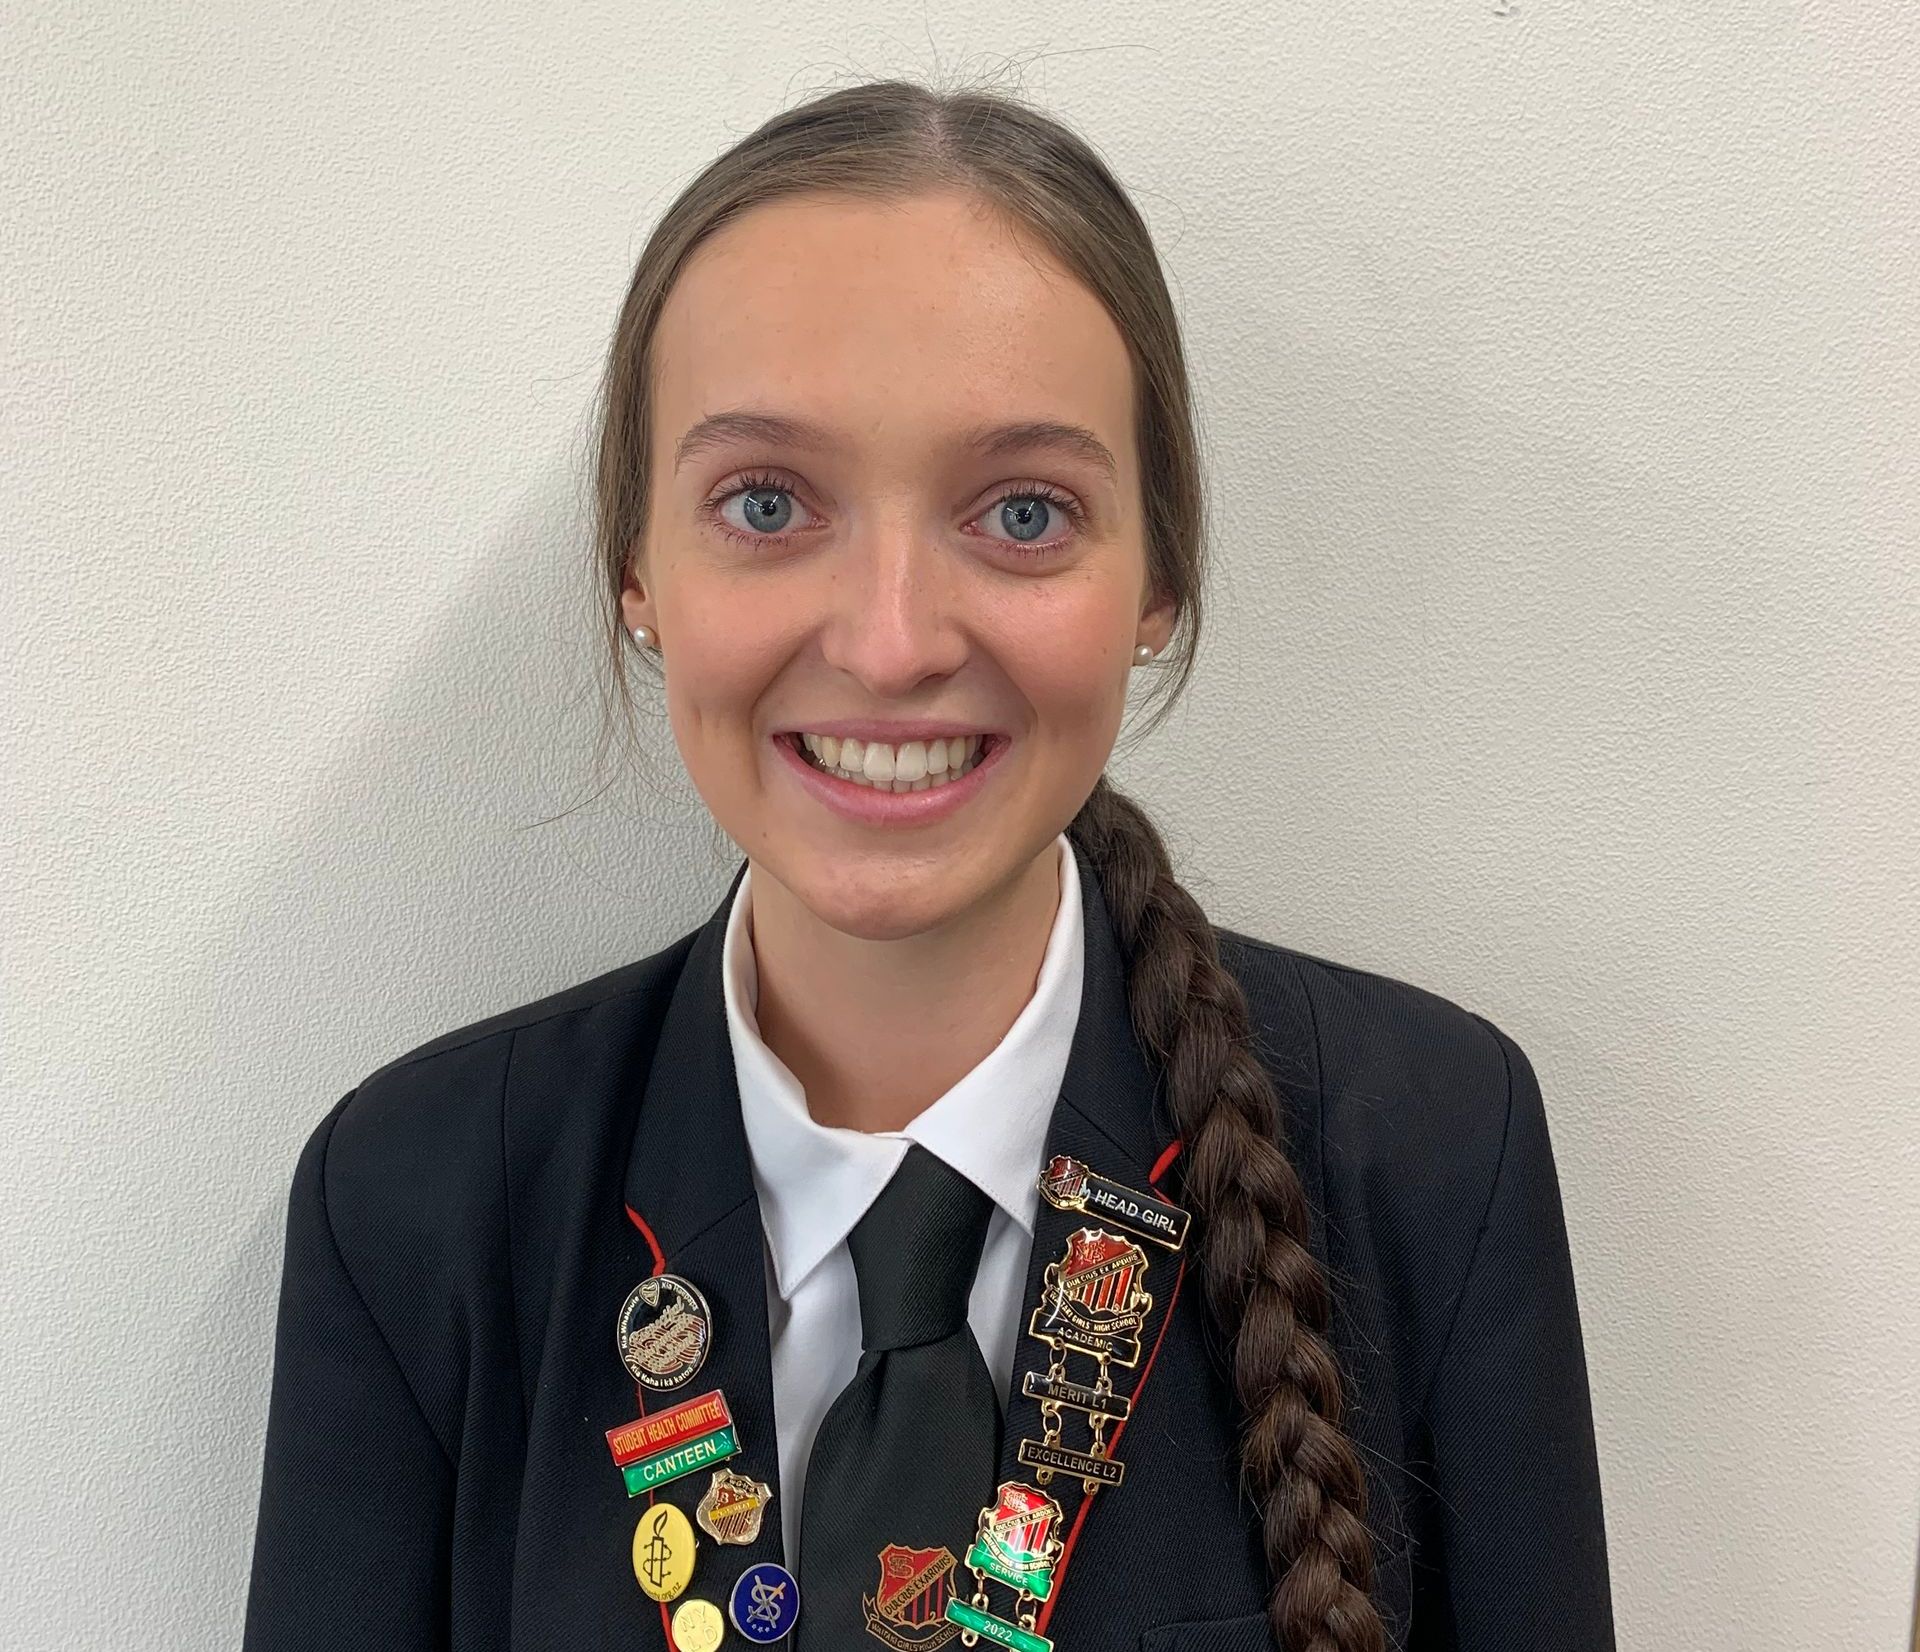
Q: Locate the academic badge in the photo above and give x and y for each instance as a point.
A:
(649, 1451)
(663, 1552)
(732, 1507)
(765, 1603)
(1015, 1543)
(664, 1330)
(698, 1626)
(907, 1609)
(1067, 1184)
(1095, 1303)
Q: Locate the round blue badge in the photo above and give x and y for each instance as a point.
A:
(765, 1604)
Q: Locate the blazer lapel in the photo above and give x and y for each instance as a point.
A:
(690, 1196)
(1110, 1116)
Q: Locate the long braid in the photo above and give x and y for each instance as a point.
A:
(1263, 1286)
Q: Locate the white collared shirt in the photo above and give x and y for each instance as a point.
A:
(815, 1182)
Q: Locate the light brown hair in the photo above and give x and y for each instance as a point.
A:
(884, 140)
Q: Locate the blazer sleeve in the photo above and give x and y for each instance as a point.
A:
(1514, 1473)
(351, 1548)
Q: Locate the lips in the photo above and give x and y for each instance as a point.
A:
(867, 805)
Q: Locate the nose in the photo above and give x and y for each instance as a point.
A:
(894, 617)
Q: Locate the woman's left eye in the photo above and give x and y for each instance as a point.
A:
(1026, 511)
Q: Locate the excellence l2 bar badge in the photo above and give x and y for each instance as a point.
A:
(664, 1331)
(695, 1434)
(907, 1610)
(1067, 1184)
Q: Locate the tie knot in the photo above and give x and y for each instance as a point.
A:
(915, 1253)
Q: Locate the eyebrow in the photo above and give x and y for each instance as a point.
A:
(990, 441)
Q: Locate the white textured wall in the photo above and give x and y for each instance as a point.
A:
(1559, 368)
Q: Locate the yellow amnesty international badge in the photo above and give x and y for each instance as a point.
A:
(663, 1547)
(732, 1508)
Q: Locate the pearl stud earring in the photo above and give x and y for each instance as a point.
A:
(643, 636)
(1142, 655)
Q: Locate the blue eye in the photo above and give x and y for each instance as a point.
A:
(768, 506)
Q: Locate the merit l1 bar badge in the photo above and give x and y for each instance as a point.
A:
(1067, 1184)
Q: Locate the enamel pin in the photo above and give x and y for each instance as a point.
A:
(731, 1508)
(765, 1603)
(1095, 1301)
(1067, 1184)
(1015, 1543)
(650, 1451)
(663, 1552)
(698, 1626)
(664, 1330)
(907, 1610)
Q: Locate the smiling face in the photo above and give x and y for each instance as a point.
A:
(882, 554)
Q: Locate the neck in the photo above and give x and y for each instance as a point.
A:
(877, 1031)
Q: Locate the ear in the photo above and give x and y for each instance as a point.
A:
(636, 602)
(1157, 620)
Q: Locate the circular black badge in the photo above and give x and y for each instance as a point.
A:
(664, 1332)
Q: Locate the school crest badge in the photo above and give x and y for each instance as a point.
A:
(1095, 1299)
(908, 1609)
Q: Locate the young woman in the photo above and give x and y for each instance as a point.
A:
(957, 1239)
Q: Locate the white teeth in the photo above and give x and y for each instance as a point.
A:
(915, 766)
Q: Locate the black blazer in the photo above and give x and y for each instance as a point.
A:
(459, 1243)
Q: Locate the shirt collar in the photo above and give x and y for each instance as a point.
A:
(815, 1181)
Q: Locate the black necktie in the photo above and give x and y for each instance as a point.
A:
(907, 1453)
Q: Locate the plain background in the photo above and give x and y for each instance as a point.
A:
(1558, 367)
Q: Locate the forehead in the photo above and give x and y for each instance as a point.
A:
(888, 320)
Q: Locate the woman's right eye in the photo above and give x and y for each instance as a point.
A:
(767, 506)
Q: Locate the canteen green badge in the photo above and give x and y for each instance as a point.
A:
(664, 1331)
(765, 1603)
(649, 1451)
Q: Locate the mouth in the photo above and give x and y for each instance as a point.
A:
(874, 783)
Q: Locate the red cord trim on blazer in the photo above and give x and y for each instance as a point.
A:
(640, 1395)
(1161, 1164)
(1086, 1502)
(653, 1244)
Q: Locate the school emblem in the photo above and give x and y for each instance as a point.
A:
(1095, 1299)
(730, 1510)
(907, 1610)
(664, 1330)
(1017, 1542)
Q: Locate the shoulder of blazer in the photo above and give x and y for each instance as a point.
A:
(1407, 1101)
(413, 1167)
